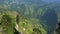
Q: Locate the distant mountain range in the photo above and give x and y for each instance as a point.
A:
(29, 2)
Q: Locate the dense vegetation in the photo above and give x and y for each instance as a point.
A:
(29, 18)
(27, 26)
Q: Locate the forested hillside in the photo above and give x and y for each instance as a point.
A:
(29, 16)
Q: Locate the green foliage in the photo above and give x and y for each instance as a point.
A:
(36, 31)
(40, 11)
(27, 26)
(7, 23)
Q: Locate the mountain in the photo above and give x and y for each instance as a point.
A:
(47, 11)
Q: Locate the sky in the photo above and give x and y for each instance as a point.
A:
(38, 0)
(51, 0)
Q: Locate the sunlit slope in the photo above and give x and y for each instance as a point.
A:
(26, 26)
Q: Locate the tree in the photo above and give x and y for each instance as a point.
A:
(36, 31)
(7, 24)
(17, 18)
